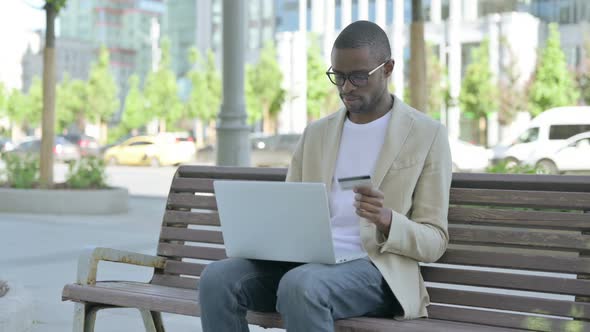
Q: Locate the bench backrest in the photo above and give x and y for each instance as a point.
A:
(520, 246)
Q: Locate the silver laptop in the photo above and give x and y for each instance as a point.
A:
(278, 221)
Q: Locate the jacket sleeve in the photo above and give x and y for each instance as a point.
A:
(423, 236)
(295, 171)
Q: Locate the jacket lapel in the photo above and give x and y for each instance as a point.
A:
(398, 130)
(331, 146)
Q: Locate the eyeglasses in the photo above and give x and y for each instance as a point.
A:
(358, 79)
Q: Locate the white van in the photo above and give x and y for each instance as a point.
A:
(545, 133)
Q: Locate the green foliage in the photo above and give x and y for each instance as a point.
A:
(161, 90)
(87, 173)
(205, 96)
(319, 88)
(478, 95)
(264, 85)
(505, 167)
(553, 84)
(102, 90)
(57, 4)
(583, 76)
(21, 172)
(513, 98)
(72, 98)
(26, 109)
(437, 84)
(134, 115)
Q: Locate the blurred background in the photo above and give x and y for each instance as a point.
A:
(139, 81)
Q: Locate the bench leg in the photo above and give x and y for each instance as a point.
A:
(84, 317)
(152, 321)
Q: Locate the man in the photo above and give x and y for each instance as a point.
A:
(397, 222)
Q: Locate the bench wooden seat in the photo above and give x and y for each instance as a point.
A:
(519, 257)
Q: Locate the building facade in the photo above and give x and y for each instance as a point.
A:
(73, 58)
(129, 29)
(454, 27)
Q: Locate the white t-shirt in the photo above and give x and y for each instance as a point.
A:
(360, 146)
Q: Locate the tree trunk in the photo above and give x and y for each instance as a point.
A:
(48, 121)
(417, 58)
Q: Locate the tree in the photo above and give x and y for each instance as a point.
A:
(103, 101)
(478, 96)
(134, 116)
(265, 79)
(437, 84)
(553, 85)
(418, 89)
(583, 76)
(321, 98)
(161, 91)
(26, 110)
(513, 97)
(72, 101)
(52, 8)
(205, 95)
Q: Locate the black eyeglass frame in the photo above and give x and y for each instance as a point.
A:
(350, 76)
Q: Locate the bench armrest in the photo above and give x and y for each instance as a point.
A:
(88, 262)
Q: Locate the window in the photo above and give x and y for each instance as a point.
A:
(529, 136)
(567, 131)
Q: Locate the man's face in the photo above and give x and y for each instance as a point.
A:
(347, 61)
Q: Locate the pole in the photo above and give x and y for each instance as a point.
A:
(233, 146)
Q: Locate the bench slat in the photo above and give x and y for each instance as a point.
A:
(516, 261)
(542, 182)
(516, 198)
(190, 201)
(510, 302)
(533, 283)
(185, 268)
(192, 185)
(236, 173)
(183, 251)
(192, 235)
(519, 238)
(191, 218)
(540, 219)
(175, 281)
(503, 319)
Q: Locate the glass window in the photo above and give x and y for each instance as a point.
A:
(529, 136)
(567, 131)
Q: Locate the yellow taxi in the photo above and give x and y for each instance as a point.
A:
(154, 151)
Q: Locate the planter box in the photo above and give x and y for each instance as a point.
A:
(64, 201)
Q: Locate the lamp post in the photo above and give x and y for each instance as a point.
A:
(233, 148)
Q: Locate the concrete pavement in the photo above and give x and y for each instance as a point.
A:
(41, 251)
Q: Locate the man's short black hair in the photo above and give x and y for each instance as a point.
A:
(365, 34)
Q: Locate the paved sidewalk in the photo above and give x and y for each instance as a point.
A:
(41, 251)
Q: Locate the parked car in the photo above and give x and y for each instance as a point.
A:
(572, 156)
(150, 150)
(63, 150)
(468, 157)
(545, 133)
(265, 151)
(5, 145)
(87, 145)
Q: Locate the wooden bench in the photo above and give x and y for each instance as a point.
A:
(519, 257)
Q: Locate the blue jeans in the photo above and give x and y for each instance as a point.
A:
(309, 297)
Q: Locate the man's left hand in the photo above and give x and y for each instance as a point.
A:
(368, 202)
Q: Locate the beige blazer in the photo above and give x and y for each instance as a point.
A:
(414, 172)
